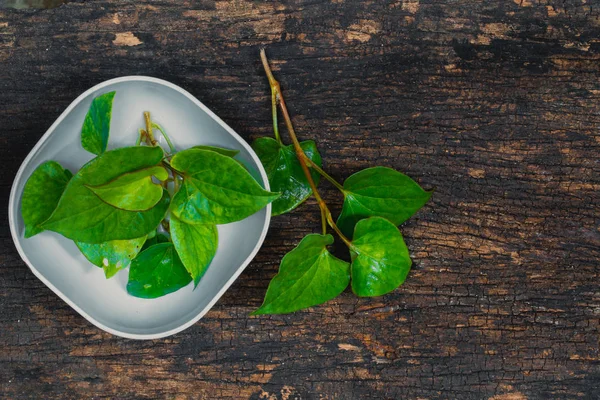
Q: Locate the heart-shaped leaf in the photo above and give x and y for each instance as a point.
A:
(380, 192)
(308, 275)
(96, 126)
(82, 216)
(41, 195)
(216, 189)
(157, 271)
(196, 246)
(133, 191)
(285, 172)
(380, 259)
(112, 256)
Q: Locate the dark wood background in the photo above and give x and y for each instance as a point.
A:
(495, 104)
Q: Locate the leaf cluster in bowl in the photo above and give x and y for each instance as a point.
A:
(141, 207)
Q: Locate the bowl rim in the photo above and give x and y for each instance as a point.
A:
(13, 204)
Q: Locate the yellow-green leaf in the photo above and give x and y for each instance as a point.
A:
(133, 191)
(82, 216)
(112, 256)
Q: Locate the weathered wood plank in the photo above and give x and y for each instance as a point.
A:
(495, 104)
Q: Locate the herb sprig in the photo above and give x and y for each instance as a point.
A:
(376, 200)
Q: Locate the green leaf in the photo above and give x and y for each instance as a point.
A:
(220, 150)
(133, 191)
(226, 152)
(308, 275)
(196, 245)
(96, 126)
(111, 256)
(216, 189)
(156, 272)
(285, 172)
(380, 192)
(380, 259)
(84, 217)
(41, 195)
(154, 238)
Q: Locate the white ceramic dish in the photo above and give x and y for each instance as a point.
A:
(57, 262)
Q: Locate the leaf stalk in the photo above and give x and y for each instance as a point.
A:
(275, 122)
(149, 134)
(324, 174)
(142, 134)
(164, 134)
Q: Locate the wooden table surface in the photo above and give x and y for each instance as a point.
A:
(495, 104)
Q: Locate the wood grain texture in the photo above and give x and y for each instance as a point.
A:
(495, 104)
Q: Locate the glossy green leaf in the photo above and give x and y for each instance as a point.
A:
(112, 256)
(380, 259)
(156, 272)
(133, 191)
(216, 189)
(96, 126)
(82, 216)
(220, 150)
(41, 195)
(285, 172)
(380, 192)
(196, 245)
(154, 238)
(308, 275)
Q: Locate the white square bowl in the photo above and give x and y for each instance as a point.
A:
(57, 262)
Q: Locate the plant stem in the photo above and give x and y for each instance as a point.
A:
(149, 128)
(275, 94)
(168, 166)
(278, 98)
(323, 173)
(325, 213)
(275, 122)
(333, 225)
(142, 133)
(167, 138)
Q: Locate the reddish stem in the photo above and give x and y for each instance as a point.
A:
(276, 90)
